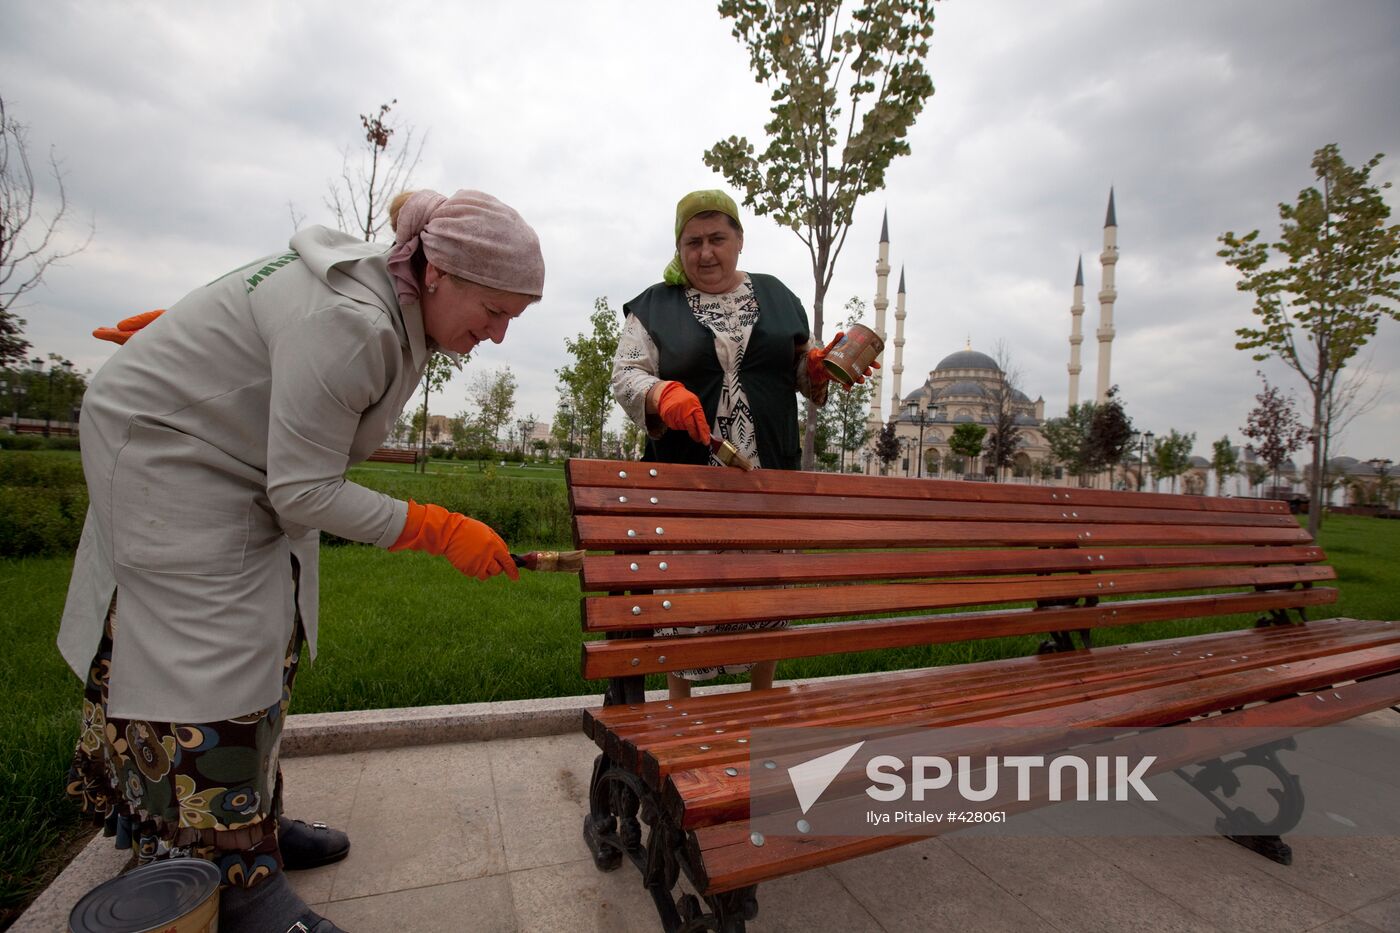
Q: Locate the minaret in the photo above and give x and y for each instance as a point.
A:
(896, 399)
(1108, 259)
(882, 276)
(1076, 336)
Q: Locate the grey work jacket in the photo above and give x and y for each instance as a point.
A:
(215, 444)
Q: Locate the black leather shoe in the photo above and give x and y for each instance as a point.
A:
(270, 907)
(309, 845)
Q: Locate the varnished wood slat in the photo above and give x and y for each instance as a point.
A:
(613, 659)
(625, 613)
(614, 571)
(603, 532)
(596, 500)
(989, 689)
(793, 700)
(698, 792)
(609, 473)
(725, 860)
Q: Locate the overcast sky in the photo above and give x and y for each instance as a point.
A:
(186, 129)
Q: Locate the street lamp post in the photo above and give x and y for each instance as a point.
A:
(1142, 457)
(919, 413)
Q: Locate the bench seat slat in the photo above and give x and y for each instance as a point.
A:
(606, 532)
(646, 505)
(623, 613)
(614, 571)
(615, 658)
(713, 795)
(727, 860)
(674, 740)
(1020, 672)
(990, 705)
(586, 473)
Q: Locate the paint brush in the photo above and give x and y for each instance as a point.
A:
(728, 454)
(550, 561)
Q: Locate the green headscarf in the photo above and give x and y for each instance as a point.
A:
(697, 202)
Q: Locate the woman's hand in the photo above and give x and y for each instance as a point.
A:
(126, 327)
(471, 546)
(680, 410)
(816, 372)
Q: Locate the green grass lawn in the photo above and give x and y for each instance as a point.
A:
(408, 630)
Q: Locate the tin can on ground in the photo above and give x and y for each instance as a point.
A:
(848, 360)
(179, 895)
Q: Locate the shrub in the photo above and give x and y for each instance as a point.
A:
(36, 521)
(22, 442)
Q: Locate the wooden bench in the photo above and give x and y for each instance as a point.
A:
(392, 455)
(899, 563)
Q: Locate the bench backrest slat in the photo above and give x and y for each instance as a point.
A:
(951, 561)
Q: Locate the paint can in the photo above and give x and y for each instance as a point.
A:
(848, 360)
(178, 895)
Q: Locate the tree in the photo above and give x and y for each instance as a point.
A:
(1171, 455)
(360, 197)
(845, 415)
(1110, 432)
(846, 88)
(1339, 275)
(494, 395)
(966, 440)
(588, 381)
(887, 447)
(1224, 461)
(1068, 437)
(27, 239)
(527, 427)
(435, 376)
(1256, 473)
(565, 426)
(1005, 435)
(1275, 431)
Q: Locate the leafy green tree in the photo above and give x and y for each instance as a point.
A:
(1337, 276)
(588, 380)
(966, 440)
(494, 395)
(1069, 440)
(1274, 429)
(847, 85)
(1224, 461)
(1110, 432)
(1256, 473)
(1171, 455)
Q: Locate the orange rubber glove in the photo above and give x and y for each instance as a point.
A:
(472, 547)
(680, 410)
(816, 372)
(126, 327)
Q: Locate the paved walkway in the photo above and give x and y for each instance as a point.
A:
(485, 835)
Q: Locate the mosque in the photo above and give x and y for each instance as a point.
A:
(968, 386)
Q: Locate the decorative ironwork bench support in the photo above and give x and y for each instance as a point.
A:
(1243, 826)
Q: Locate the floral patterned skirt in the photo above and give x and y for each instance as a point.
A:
(206, 790)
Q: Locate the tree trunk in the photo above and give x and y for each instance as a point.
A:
(1315, 481)
(809, 431)
(423, 438)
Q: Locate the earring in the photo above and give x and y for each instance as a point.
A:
(432, 289)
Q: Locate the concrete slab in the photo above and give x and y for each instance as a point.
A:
(422, 816)
(1218, 881)
(1070, 887)
(1348, 873)
(575, 896)
(321, 789)
(906, 889)
(483, 905)
(542, 794)
(1383, 914)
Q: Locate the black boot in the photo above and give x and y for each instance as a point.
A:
(271, 907)
(309, 845)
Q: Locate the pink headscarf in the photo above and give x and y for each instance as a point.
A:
(471, 235)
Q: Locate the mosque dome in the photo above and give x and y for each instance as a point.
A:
(967, 359)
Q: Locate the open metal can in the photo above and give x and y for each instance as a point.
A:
(178, 895)
(848, 360)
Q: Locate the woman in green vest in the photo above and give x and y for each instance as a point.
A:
(716, 350)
